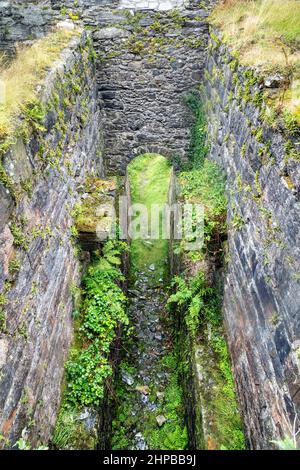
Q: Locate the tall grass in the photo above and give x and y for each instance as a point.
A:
(19, 81)
(256, 27)
(266, 34)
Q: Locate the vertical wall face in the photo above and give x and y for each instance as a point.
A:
(262, 297)
(149, 56)
(36, 233)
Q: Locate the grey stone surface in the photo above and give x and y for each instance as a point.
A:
(148, 59)
(159, 5)
(38, 300)
(21, 22)
(262, 291)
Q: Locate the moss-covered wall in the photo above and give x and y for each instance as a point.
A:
(261, 158)
(147, 60)
(41, 176)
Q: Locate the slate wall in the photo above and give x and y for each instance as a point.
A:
(262, 294)
(39, 263)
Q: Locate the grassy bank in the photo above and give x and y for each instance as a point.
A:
(266, 35)
(20, 79)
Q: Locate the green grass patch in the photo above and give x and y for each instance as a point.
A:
(149, 177)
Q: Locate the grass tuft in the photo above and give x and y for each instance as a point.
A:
(19, 81)
(266, 35)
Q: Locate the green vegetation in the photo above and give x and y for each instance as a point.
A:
(266, 35)
(14, 265)
(154, 41)
(149, 177)
(288, 443)
(71, 434)
(199, 146)
(198, 302)
(200, 305)
(196, 296)
(21, 112)
(2, 320)
(24, 74)
(20, 238)
(173, 434)
(203, 182)
(87, 218)
(103, 309)
(206, 186)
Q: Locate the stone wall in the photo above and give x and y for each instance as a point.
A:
(262, 294)
(148, 59)
(39, 264)
(22, 22)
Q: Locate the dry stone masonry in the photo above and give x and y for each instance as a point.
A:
(262, 294)
(36, 233)
(150, 53)
(159, 5)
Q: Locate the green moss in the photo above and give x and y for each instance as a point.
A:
(14, 266)
(237, 221)
(149, 177)
(20, 238)
(291, 152)
(86, 215)
(2, 320)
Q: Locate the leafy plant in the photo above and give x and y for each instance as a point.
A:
(14, 265)
(103, 309)
(86, 375)
(196, 298)
(206, 186)
(198, 147)
(20, 238)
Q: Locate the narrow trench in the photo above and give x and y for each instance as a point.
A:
(149, 412)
